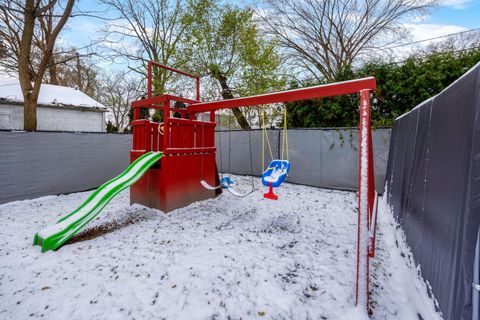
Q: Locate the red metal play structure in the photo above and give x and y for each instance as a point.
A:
(189, 151)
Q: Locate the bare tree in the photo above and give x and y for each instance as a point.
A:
(76, 71)
(118, 91)
(324, 37)
(459, 42)
(41, 36)
(147, 30)
(10, 33)
(18, 20)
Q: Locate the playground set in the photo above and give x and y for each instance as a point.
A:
(174, 163)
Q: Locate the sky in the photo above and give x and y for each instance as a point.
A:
(450, 16)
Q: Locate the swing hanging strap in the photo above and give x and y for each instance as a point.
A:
(284, 140)
(285, 136)
(265, 137)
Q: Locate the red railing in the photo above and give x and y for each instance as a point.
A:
(152, 64)
(179, 136)
(190, 136)
(146, 136)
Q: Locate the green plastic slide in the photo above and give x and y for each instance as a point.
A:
(53, 237)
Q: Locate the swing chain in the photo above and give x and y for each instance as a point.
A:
(284, 142)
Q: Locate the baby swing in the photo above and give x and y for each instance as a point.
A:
(277, 170)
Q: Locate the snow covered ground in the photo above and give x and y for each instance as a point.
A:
(223, 258)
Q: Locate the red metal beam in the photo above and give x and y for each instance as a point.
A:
(326, 90)
(162, 66)
(149, 102)
(191, 75)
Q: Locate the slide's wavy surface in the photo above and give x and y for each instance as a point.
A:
(53, 237)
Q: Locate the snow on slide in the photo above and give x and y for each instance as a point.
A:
(53, 237)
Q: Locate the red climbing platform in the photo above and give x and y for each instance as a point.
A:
(188, 146)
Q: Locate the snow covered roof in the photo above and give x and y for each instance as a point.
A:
(50, 95)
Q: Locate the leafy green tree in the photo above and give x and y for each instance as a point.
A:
(111, 128)
(227, 45)
(339, 111)
(400, 87)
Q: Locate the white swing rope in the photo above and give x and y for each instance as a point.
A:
(252, 182)
(219, 120)
(229, 189)
(265, 137)
(285, 135)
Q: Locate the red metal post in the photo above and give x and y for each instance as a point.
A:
(155, 136)
(148, 136)
(366, 195)
(372, 197)
(357, 275)
(166, 125)
(365, 100)
(136, 113)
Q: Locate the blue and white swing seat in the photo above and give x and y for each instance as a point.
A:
(276, 173)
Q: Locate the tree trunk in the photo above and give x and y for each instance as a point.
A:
(24, 74)
(79, 73)
(29, 113)
(242, 121)
(227, 94)
(52, 71)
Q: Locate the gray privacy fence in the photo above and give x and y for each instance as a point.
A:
(42, 163)
(325, 158)
(433, 187)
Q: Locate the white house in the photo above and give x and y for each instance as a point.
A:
(58, 109)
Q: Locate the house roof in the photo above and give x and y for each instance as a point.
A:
(50, 95)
